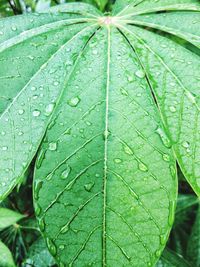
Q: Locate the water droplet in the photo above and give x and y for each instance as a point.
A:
(37, 209)
(52, 146)
(21, 111)
(158, 253)
(117, 160)
(172, 171)
(56, 83)
(61, 247)
(1, 33)
(88, 187)
(40, 158)
(163, 238)
(123, 92)
(166, 157)
(171, 212)
(20, 133)
(65, 229)
(38, 186)
(51, 246)
(73, 102)
(191, 97)
(14, 28)
(4, 148)
(165, 140)
(41, 224)
(142, 167)
(140, 73)
(36, 113)
(130, 78)
(66, 173)
(88, 123)
(94, 52)
(33, 88)
(49, 109)
(186, 144)
(172, 109)
(3, 133)
(128, 150)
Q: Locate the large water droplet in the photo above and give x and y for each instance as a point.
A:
(51, 246)
(65, 173)
(49, 109)
(165, 140)
(73, 102)
(38, 186)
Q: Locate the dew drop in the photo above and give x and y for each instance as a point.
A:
(40, 158)
(165, 140)
(88, 187)
(117, 160)
(172, 109)
(185, 144)
(166, 157)
(142, 167)
(73, 102)
(37, 209)
(66, 173)
(65, 229)
(33, 88)
(14, 28)
(36, 113)
(41, 225)
(128, 150)
(51, 246)
(4, 148)
(171, 212)
(123, 92)
(3, 133)
(21, 111)
(52, 146)
(130, 78)
(49, 109)
(56, 83)
(158, 253)
(140, 73)
(61, 247)
(163, 239)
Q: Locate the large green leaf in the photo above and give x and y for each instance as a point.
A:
(108, 122)
(29, 94)
(6, 259)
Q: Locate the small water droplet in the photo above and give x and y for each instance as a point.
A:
(142, 167)
(37, 209)
(52, 146)
(158, 253)
(130, 78)
(36, 113)
(171, 212)
(94, 52)
(163, 238)
(88, 187)
(128, 150)
(73, 102)
(65, 229)
(117, 160)
(186, 144)
(14, 28)
(140, 73)
(3, 133)
(172, 109)
(4, 148)
(33, 88)
(51, 246)
(56, 83)
(20, 133)
(66, 173)
(49, 109)
(61, 247)
(166, 157)
(21, 111)
(123, 92)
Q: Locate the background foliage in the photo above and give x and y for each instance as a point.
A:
(21, 243)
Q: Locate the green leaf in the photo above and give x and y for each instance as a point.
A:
(101, 171)
(168, 66)
(6, 259)
(171, 259)
(193, 250)
(9, 217)
(29, 95)
(38, 255)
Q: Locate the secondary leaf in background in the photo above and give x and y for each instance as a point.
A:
(193, 250)
(29, 95)
(6, 259)
(38, 255)
(9, 217)
(171, 259)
